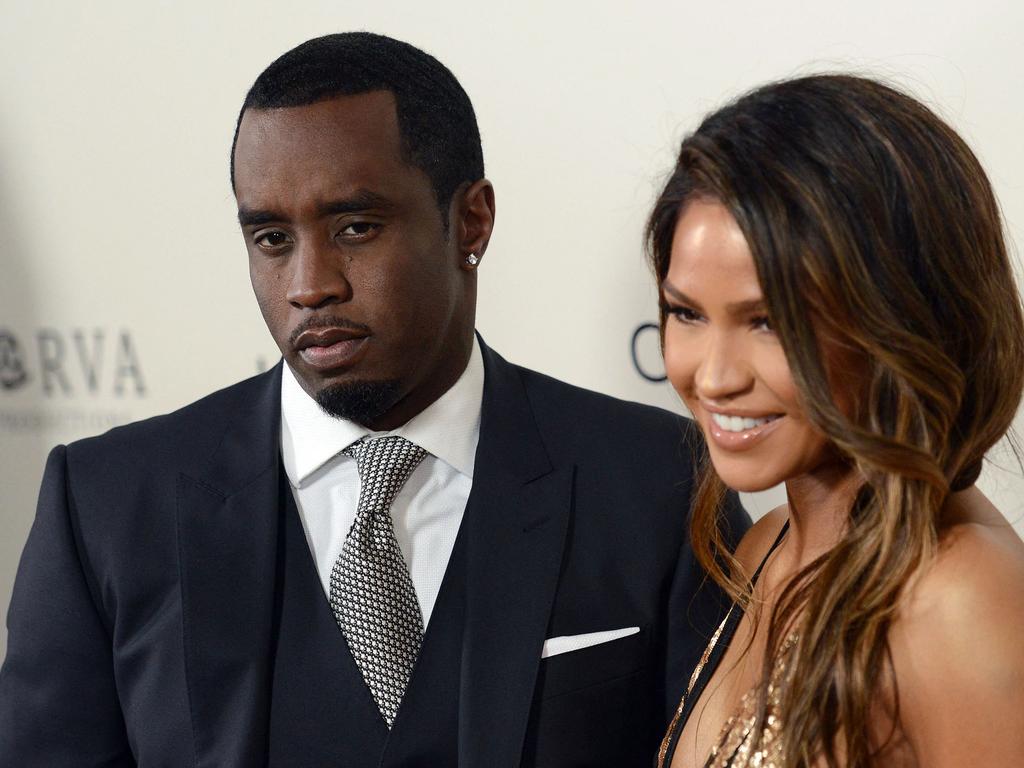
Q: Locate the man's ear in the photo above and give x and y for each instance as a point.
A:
(473, 222)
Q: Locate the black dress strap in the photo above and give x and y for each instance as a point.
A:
(729, 626)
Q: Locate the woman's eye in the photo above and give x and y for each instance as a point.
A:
(761, 324)
(271, 240)
(684, 314)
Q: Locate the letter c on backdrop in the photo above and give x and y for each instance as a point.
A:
(654, 378)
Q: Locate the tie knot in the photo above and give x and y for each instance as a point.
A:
(384, 464)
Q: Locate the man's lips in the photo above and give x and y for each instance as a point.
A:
(325, 337)
(328, 348)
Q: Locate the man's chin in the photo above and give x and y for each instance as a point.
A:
(363, 402)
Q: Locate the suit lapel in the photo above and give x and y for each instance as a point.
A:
(228, 519)
(516, 519)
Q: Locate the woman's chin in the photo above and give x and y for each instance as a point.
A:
(745, 481)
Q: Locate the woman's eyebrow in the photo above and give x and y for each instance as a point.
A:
(675, 293)
(745, 307)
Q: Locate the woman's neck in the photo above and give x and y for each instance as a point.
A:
(819, 506)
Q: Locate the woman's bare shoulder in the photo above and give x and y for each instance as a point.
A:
(979, 567)
(956, 644)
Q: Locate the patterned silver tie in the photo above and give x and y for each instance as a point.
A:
(372, 594)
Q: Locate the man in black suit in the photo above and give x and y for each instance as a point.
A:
(394, 548)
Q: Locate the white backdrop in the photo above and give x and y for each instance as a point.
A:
(123, 281)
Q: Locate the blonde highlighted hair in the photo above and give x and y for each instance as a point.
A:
(875, 232)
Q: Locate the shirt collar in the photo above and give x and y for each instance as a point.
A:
(449, 428)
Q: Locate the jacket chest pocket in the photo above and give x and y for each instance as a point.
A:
(572, 670)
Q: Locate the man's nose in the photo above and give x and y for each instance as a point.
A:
(725, 369)
(317, 277)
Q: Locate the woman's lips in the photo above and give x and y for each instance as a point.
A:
(742, 440)
(334, 354)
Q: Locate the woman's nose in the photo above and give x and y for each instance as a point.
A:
(725, 368)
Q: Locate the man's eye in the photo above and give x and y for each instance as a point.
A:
(684, 314)
(360, 229)
(273, 239)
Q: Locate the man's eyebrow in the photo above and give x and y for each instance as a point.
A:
(249, 217)
(363, 200)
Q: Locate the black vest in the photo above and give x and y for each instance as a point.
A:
(321, 712)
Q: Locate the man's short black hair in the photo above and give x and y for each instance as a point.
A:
(435, 117)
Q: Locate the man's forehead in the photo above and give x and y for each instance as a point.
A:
(373, 112)
(349, 134)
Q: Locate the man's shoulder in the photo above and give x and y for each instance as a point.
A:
(190, 431)
(541, 388)
(594, 418)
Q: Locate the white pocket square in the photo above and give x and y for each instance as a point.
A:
(553, 646)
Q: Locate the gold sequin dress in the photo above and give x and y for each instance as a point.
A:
(735, 745)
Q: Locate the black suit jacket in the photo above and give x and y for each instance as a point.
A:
(140, 628)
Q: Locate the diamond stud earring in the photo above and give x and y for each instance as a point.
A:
(472, 259)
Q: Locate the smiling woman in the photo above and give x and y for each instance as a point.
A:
(718, 343)
(838, 312)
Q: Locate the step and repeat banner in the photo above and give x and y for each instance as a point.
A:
(123, 280)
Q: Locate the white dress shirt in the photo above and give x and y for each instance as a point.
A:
(428, 509)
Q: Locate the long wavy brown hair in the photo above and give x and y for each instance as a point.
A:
(875, 232)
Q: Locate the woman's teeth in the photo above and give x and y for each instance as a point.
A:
(739, 423)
